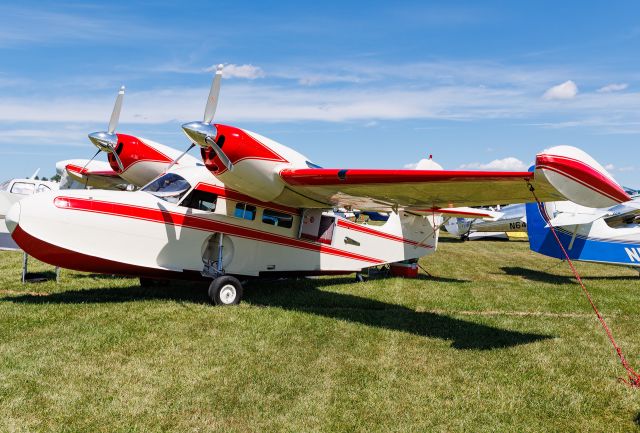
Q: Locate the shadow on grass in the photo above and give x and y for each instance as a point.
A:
(423, 277)
(175, 291)
(101, 276)
(305, 295)
(40, 277)
(546, 277)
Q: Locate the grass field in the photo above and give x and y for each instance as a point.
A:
(500, 339)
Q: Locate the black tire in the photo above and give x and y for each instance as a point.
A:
(359, 277)
(225, 290)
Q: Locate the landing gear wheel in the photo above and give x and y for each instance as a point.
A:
(359, 277)
(225, 290)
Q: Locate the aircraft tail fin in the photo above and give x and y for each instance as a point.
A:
(541, 240)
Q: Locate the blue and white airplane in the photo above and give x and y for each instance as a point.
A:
(609, 235)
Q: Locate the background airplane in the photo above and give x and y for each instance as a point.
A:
(510, 218)
(13, 191)
(606, 235)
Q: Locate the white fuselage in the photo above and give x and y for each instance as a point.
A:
(138, 233)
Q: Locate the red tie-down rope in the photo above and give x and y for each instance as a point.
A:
(633, 378)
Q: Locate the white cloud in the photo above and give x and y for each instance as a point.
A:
(609, 167)
(507, 164)
(613, 87)
(29, 25)
(566, 90)
(424, 164)
(447, 93)
(248, 72)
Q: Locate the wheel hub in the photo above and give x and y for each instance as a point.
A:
(228, 294)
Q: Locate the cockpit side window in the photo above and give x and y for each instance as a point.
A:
(24, 188)
(169, 187)
(201, 200)
(43, 188)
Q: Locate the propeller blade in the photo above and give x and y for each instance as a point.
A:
(115, 155)
(89, 162)
(115, 115)
(214, 93)
(225, 160)
(179, 157)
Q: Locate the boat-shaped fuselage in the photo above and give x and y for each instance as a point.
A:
(180, 226)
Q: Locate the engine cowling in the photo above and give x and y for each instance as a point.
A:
(257, 160)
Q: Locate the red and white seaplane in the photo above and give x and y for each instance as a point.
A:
(258, 208)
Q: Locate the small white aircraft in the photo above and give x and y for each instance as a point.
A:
(510, 218)
(257, 208)
(13, 191)
(608, 235)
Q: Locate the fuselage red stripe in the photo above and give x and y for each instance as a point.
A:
(332, 176)
(357, 227)
(198, 223)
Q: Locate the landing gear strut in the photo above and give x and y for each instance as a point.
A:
(225, 290)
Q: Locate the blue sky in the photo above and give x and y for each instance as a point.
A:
(349, 84)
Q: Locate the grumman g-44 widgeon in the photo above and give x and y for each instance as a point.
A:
(255, 208)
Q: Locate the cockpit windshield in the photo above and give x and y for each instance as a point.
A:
(169, 187)
(4, 186)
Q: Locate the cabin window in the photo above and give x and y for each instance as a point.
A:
(23, 188)
(201, 200)
(43, 188)
(278, 219)
(169, 187)
(312, 165)
(245, 211)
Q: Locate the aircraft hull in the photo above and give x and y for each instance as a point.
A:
(135, 233)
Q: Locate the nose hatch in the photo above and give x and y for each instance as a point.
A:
(12, 217)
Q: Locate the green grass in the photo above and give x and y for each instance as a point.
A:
(501, 339)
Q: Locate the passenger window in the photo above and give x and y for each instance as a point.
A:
(202, 200)
(245, 211)
(23, 188)
(278, 219)
(43, 188)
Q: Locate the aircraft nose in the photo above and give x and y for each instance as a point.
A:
(12, 217)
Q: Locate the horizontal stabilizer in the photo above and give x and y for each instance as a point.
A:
(572, 219)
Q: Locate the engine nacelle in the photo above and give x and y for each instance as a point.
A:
(257, 160)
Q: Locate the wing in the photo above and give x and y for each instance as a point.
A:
(560, 173)
(96, 174)
(414, 189)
